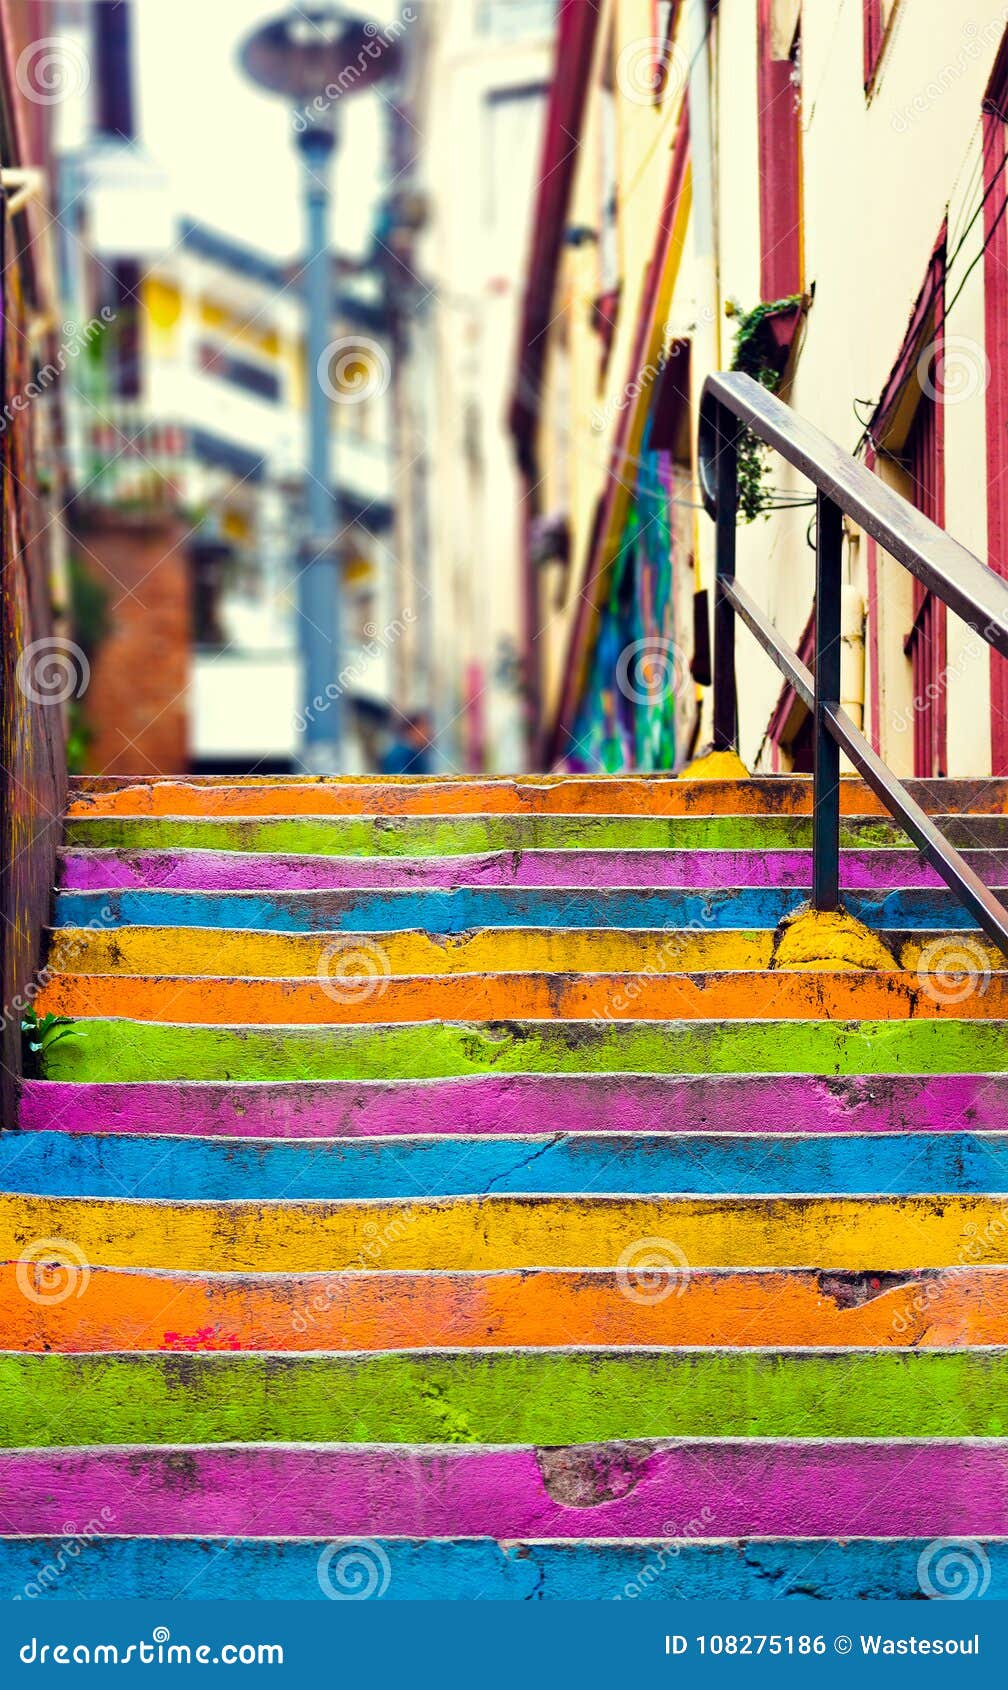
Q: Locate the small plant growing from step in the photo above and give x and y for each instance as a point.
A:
(39, 1036)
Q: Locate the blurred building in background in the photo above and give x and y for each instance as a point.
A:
(455, 240)
(187, 418)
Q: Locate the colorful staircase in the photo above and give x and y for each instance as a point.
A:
(448, 1189)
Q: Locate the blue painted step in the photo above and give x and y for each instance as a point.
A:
(474, 907)
(474, 1569)
(70, 1165)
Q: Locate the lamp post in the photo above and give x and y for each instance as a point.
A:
(317, 58)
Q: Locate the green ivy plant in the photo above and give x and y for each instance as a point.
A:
(39, 1036)
(749, 355)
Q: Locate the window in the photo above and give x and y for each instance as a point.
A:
(241, 372)
(780, 195)
(512, 19)
(925, 644)
(878, 15)
(907, 436)
(513, 122)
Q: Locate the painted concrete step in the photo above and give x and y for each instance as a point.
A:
(492, 1104)
(109, 1165)
(468, 909)
(501, 1397)
(125, 1050)
(481, 1234)
(653, 1300)
(366, 994)
(475, 1569)
(908, 1488)
(189, 951)
(266, 955)
(533, 795)
(453, 836)
(873, 870)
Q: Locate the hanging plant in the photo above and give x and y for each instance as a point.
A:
(757, 354)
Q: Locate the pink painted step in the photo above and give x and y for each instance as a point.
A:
(756, 1488)
(521, 1103)
(219, 871)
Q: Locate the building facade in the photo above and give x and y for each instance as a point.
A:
(814, 193)
(479, 87)
(187, 441)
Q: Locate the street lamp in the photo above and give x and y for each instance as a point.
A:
(316, 58)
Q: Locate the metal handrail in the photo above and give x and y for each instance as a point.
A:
(844, 487)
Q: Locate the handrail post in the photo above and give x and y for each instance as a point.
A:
(826, 765)
(725, 700)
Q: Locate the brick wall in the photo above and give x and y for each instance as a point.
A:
(135, 708)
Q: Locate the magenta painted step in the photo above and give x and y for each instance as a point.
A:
(756, 1488)
(235, 871)
(522, 1103)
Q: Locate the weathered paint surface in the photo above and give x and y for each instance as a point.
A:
(103, 1165)
(371, 1310)
(483, 907)
(239, 871)
(186, 950)
(519, 1397)
(358, 989)
(793, 1489)
(863, 1233)
(535, 795)
(138, 1050)
(475, 1569)
(438, 836)
(590, 1182)
(492, 1103)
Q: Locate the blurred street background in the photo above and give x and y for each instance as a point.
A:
(197, 578)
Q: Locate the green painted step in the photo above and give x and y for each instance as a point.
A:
(436, 836)
(541, 1398)
(133, 1050)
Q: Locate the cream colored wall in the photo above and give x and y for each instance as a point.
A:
(878, 177)
(877, 180)
(475, 510)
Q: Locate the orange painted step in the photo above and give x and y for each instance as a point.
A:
(374, 997)
(116, 1310)
(563, 795)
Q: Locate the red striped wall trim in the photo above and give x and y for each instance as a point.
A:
(777, 725)
(874, 665)
(780, 194)
(577, 27)
(874, 35)
(995, 154)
